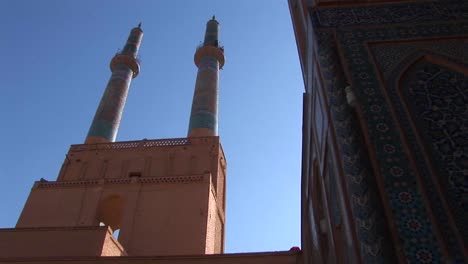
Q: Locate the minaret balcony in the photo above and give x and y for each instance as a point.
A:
(212, 51)
(130, 61)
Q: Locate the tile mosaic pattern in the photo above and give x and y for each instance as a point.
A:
(369, 217)
(398, 176)
(106, 121)
(109, 113)
(400, 103)
(391, 14)
(414, 227)
(437, 97)
(389, 57)
(205, 99)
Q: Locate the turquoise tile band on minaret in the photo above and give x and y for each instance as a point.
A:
(124, 66)
(209, 59)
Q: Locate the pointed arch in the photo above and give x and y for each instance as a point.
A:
(433, 89)
(110, 211)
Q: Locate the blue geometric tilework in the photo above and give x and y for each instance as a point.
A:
(437, 97)
(411, 93)
(390, 14)
(369, 219)
(360, 31)
(388, 57)
(397, 173)
(204, 112)
(109, 113)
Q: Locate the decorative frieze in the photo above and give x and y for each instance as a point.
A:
(144, 180)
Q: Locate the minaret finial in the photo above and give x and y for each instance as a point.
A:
(213, 18)
(139, 25)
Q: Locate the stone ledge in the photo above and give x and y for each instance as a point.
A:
(145, 143)
(143, 180)
(57, 242)
(278, 257)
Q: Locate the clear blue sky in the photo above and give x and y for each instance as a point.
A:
(55, 66)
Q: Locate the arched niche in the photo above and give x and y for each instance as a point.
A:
(434, 91)
(110, 212)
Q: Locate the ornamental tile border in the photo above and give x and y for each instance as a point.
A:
(390, 14)
(454, 248)
(370, 222)
(388, 56)
(396, 173)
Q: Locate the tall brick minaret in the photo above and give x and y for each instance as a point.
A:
(166, 196)
(209, 59)
(124, 66)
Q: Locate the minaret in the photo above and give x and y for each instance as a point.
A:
(124, 67)
(165, 196)
(209, 58)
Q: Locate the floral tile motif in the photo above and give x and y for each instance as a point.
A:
(397, 174)
(390, 14)
(370, 221)
(355, 28)
(426, 90)
(388, 57)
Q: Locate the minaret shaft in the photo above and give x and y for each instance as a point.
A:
(209, 58)
(124, 67)
(204, 116)
(109, 113)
